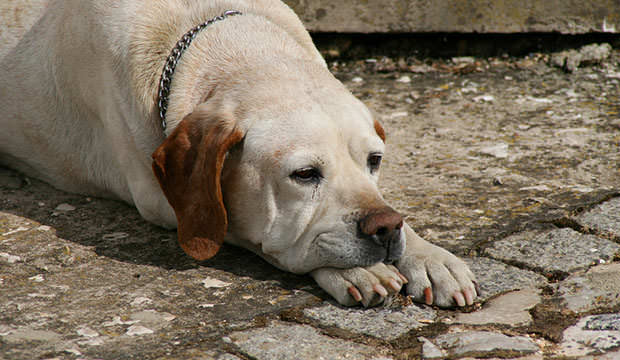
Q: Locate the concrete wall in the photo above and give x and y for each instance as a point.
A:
(465, 16)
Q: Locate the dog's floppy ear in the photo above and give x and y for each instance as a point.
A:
(188, 166)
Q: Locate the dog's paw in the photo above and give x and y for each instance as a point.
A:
(437, 277)
(369, 285)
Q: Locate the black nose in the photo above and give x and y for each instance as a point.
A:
(382, 226)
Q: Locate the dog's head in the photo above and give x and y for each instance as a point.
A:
(290, 171)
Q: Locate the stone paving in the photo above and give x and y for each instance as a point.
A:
(511, 163)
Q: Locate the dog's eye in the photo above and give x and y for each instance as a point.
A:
(306, 175)
(374, 161)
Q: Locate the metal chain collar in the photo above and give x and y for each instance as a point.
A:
(171, 63)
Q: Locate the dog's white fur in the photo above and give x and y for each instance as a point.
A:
(252, 102)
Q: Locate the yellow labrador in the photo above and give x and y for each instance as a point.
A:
(262, 146)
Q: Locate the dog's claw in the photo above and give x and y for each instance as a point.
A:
(395, 285)
(469, 296)
(403, 278)
(459, 299)
(476, 287)
(355, 293)
(428, 296)
(379, 289)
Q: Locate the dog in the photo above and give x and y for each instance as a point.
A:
(218, 118)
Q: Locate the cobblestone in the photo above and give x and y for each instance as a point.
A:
(496, 277)
(484, 344)
(383, 323)
(604, 219)
(282, 341)
(509, 309)
(555, 251)
(599, 288)
(612, 355)
(592, 335)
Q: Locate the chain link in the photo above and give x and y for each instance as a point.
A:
(171, 63)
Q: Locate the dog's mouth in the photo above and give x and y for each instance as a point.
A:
(351, 248)
(393, 254)
(390, 258)
(392, 244)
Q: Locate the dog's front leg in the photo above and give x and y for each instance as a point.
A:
(435, 275)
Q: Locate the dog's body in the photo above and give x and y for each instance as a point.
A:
(263, 148)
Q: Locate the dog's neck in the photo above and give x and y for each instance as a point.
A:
(167, 75)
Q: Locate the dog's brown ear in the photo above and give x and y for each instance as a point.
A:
(188, 166)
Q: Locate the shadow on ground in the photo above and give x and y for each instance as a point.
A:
(116, 230)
